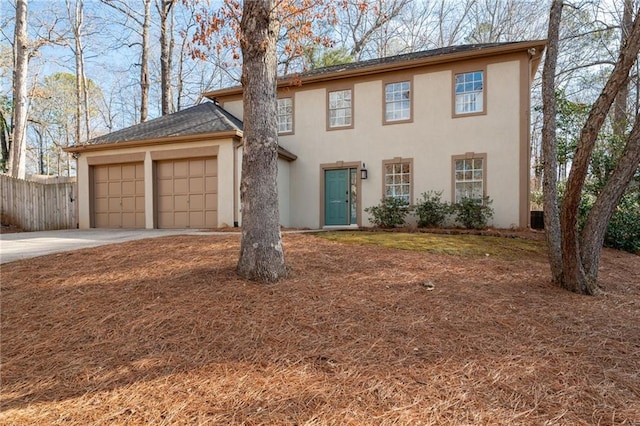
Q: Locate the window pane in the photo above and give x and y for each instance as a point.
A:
(468, 175)
(397, 101)
(340, 108)
(397, 180)
(469, 92)
(285, 115)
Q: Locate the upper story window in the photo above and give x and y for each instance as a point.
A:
(285, 115)
(397, 98)
(469, 92)
(469, 177)
(340, 109)
(397, 179)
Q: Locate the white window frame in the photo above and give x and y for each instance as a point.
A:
(469, 174)
(284, 117)
(398, 179)
(397, 97)
(469, 92)
(340, 108)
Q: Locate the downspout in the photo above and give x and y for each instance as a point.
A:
(236, 144)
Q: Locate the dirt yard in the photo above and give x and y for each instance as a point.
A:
(163, 332)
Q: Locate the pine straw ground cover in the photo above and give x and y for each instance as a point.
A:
(162, 331)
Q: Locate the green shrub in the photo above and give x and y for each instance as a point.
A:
(431, 210)
(473, 213)
(389, 213)
(623, 232)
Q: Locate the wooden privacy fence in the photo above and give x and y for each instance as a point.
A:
(35, 206)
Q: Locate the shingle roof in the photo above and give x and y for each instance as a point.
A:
(402, 58)
(391, 63)
(204, 118)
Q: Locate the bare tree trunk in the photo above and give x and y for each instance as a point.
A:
(620, 106)
(575, 277)
(18, 154)
(5, 141)
(598, 220)
(550, 146)
(164, 9)
(261, 250)
(144, 63)
(82, 112)
(179, 76)
(142, 18)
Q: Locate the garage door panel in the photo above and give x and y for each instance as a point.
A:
(186, 189)
(180, 169)
(101, 174)
(115, 220)
(211, 219)
(196, 202)
(140, 204)
(196, 167)
(211, 202)
(128, 188)
(101, 205)
(165, 187)
(114, 204)
(196, 185)
(115, 172)
(196, 219)
(165, 203)
(211, 184)
(128, 204)
(211, 167)
(128, 220)
(164, 171)
(101, 189)
(101, 220)
(180, 185)
(118, 196)
(181, 220)
(180, 202)
(165, 219)
(114, 188)
(128, 172)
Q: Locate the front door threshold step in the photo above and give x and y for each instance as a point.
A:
(340, 227)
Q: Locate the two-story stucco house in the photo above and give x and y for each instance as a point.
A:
(454, 120)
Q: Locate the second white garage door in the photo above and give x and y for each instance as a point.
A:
(187, 193)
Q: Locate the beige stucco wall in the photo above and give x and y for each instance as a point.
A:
(284, 196)
(225, 177)
(283, 182)
(430, 140)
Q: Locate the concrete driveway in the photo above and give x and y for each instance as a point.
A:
(24, 245)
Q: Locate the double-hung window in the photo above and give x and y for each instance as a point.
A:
(469, 177)
(469, 92)
(397, 97)
(285, 115)
(397, 179)
(340, 109)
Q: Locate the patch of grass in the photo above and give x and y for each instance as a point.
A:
(455, 245)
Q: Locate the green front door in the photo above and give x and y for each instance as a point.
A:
(336, 197)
